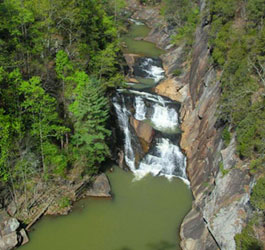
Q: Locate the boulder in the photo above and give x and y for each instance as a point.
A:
(9, 241)
(11, 225)
(100, 187)
(12, 208)
(10, 237)
(23, 237)
(130, 60)
(143, 130)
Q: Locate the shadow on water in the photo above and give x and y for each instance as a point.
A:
(125, 248)
(162, 245)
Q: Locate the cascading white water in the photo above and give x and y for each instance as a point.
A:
(136, 21)
(165, 158)
(164, 118)
(123, 117)
(153, 71)
(140, 109)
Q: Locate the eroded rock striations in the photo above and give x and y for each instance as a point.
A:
(221, 195)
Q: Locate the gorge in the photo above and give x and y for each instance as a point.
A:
(148, 208)
(187, 128)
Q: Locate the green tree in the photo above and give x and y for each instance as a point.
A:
(104, 65)
(45, 124)
(90, 110)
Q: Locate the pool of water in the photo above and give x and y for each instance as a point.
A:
(143, 215)
(139, 46)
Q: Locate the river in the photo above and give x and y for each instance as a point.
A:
(149, 202)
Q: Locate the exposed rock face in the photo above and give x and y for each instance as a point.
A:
(220, 203)
(100, 187)
(10, 235)
(173, 89)
(143, 130)
(130, 60)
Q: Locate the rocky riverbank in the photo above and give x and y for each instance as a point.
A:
(221, 194)
(55, 200)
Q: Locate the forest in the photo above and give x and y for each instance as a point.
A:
(58, 62)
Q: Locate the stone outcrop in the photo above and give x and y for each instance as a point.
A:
(143, 130)
(11, 235)
(221, 194)
(173, 89)
(100, 187)
(130, 61)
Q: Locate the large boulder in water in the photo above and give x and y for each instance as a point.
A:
(100, 187)
(143, 130)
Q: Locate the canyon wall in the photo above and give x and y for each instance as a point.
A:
(221, 194)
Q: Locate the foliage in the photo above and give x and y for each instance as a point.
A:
(186, 31)
(149, 2)
(258, 195)
(90, 114)
(64, 202)
(177, 72)
(226, 136)
(44, 45)
(221, 168)
(247, 240)
(257, 165)
(238, 48)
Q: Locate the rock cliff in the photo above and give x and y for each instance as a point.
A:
(221, 194)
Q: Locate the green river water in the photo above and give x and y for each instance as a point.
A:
(143, 215)
(139, 46)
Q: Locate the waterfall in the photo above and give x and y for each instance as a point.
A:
(140, 109)
(123, 117)
(167, 160)
(164, 157)
(149, 68)
(153, 71)
(164, 117)
(136, 21)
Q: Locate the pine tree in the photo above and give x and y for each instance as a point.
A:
(90, 110)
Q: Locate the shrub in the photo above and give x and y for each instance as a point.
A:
(223, 171)
(257, 198)
(246, 240)
(226, 136)
(64, 202)
(177, 72)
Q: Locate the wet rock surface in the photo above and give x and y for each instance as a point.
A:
(143, 130)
